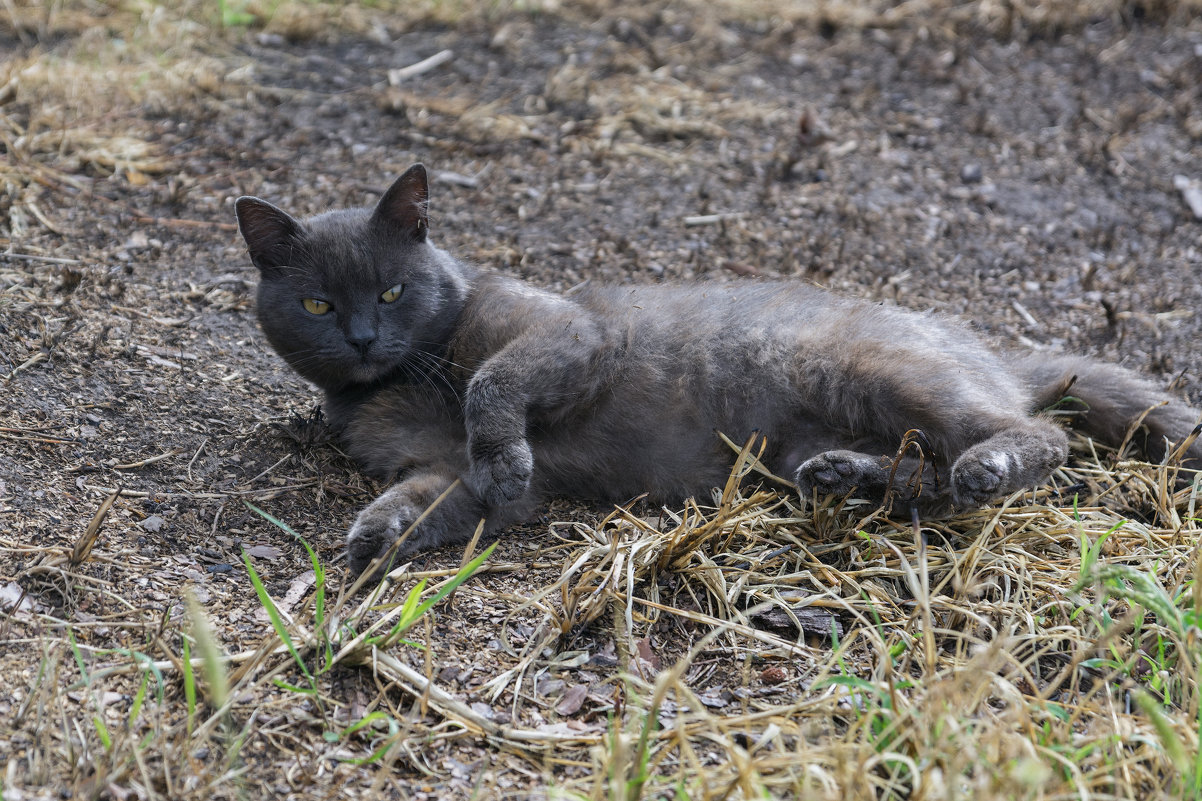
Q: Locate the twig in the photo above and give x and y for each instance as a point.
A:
(259, 494)
(30, 362)
(397, 76)
(84, 545)
(710, 219)
(175, 222)
(196, 456)
(268, 470)
(452, 708)
(47, 440)
(1023, 313)
(34, 257)
(144, 462)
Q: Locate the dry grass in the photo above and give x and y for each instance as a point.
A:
(754, 646)
(1043, 649)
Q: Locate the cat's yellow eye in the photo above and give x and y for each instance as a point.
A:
(393, 294)
(315, 306)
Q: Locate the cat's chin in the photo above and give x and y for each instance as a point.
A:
(366, 372)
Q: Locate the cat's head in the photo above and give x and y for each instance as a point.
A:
(354, 296)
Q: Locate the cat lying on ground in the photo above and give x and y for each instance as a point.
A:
(434, 370)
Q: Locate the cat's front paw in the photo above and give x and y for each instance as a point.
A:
(838, 473)
(375, 530)
(500, 472)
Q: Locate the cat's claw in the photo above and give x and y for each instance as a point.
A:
(500, 474)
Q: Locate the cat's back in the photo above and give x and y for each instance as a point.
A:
(747, 316)
(740, 321)
(705, 304)
(745, 344)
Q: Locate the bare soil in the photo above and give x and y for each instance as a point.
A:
(1022, 181)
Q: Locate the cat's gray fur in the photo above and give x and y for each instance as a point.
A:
(619, 390)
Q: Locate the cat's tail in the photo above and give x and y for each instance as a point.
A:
(1112, 403)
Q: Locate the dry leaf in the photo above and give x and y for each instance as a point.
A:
(647, 654)
(297, 589)
(269, 552)
(549, 686)
(572, 700)
(12, 594)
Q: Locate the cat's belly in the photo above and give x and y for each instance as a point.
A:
(669, 458)
(605, 465)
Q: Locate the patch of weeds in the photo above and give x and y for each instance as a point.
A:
(1162, 657)
(339, 635)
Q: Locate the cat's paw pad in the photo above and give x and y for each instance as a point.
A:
(979, 477)
(837, 473)
(500, 473)
(375, 530)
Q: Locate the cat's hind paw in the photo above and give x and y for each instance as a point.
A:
(840, 472)
(978, 478)
(1007, 462)
(500, 473)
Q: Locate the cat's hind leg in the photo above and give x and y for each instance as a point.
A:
(842, 472)
(1014, 454)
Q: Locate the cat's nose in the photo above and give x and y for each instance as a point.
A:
(360, 334)
(362, 341)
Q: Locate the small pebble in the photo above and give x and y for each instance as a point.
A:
(773, 674)
(971, 173)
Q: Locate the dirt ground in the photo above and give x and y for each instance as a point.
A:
(1023, 179)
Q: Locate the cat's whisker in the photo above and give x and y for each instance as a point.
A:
(427, 375)
(441, 358)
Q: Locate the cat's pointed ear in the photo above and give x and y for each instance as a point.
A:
(405, 204)
(269, 232)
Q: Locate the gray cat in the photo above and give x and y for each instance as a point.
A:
(434, 370)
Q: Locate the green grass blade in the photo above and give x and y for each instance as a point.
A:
(463, 575)
(319, 571)
(277, 620)
(189, 685)
(393, 730)
(1164, 731)
(97, 719)
(409, 611)
(139, 698)
(412, 611)
(210, 653)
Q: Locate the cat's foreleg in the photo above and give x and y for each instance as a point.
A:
(543, 369)
(388, 517)
(501, 462)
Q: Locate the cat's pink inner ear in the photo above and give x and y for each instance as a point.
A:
(263, 226)
(406, 202)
